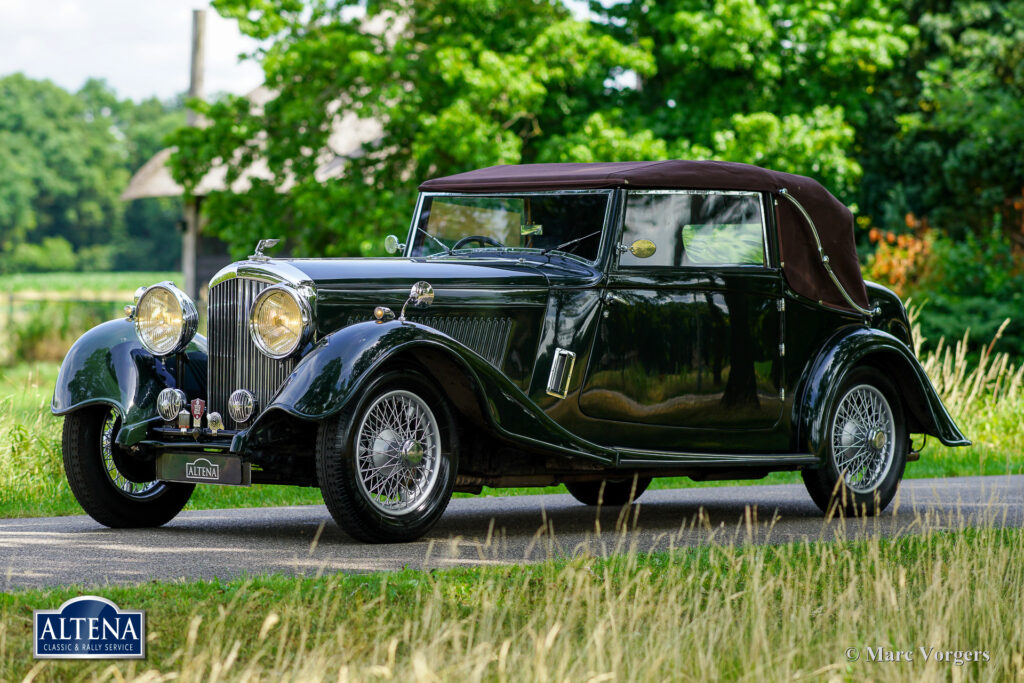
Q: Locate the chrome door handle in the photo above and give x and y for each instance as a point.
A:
(610, 298)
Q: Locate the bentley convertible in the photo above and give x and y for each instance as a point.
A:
(596, 325)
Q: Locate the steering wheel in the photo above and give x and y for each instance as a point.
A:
(482, 239)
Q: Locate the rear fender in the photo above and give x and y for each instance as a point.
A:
(865, 346)
(334, 373)
(108, 365)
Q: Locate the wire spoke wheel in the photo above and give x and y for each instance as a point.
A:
(863, 438)
(398, 451)
(128, 488)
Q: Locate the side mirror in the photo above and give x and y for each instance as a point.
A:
(392, 245)
(420, 296)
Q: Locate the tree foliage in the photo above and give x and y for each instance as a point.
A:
(65, 158)
(459, 84)
(948, 134)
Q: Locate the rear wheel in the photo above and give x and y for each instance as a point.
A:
(387, 466)
(866, 447)
(114, 488)
(608, 492)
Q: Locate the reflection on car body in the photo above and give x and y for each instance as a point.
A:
(595, 325)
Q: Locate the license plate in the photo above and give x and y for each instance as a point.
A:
(203, 468)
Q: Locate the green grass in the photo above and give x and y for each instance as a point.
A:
(92, 283)
(716, 612)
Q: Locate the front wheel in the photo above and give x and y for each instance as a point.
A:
(866, 447)
(114, 488)
(387, 466)
(608, 492)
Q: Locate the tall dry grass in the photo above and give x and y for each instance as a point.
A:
(984, 393)
(718, 612)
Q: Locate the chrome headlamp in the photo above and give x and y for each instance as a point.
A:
(165, 319)
(279, 321)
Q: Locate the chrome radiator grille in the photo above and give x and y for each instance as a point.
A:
(235, 362)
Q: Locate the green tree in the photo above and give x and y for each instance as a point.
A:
(457, 84)
(64, 160)
(947, 140)
(64, 169)
(460, 84)
(896, 107)
(778, 84)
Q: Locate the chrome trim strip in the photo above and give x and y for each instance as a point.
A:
(410, 236)
(870, 313)
(274, 271)
(745, 193)
(661, 458)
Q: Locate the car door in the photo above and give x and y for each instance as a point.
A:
(690, 334)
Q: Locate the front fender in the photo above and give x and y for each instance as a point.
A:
(108, 365)
(335, 371)
(866, 346)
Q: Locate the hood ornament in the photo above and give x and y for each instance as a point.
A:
(258, 255)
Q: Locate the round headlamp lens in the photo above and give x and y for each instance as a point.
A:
(165, 319)
(276, 323)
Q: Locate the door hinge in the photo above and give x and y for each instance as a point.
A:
(782, 394)
(782, 350)
(781, 303)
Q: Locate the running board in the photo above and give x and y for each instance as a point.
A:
(662, 458)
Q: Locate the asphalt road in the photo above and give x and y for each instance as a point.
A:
(474, 531)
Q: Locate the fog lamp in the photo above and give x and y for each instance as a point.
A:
(241, 405)
(170, 402)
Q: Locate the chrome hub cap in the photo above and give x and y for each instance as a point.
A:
(398, 452)
(127, 488)
(863, 436)
(412, 453)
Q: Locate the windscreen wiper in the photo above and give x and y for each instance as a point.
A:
(447, 249)
(563, 245)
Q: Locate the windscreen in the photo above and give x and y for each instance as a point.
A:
(570, 223)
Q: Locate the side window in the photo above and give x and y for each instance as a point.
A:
(693, 229)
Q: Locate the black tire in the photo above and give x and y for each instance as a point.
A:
(349, 474)
(139, 501)
(871, 493)
(608, 492)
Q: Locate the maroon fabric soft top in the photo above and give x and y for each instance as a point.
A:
(800, 261)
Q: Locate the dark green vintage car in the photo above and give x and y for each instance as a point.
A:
(596, 325)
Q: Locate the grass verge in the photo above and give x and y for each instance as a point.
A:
(92, 284)
(787, 612)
